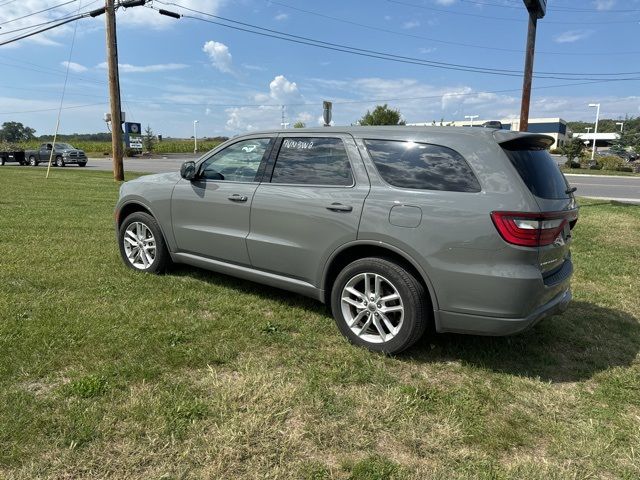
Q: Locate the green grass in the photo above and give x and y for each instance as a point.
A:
(108, 373)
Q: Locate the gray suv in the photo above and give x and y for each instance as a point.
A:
(393, 227)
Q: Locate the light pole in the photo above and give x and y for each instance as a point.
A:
(471, 117)
(595, 130)
(621, 125)
(195, 136)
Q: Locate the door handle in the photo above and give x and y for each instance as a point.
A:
(338, 207)
(237, 198)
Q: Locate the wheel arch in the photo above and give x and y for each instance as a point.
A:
(350, 252)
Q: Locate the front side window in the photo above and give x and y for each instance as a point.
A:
(312, 161)
(421, 166)
(236, 163)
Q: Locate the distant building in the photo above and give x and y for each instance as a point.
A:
(554, 127)
(602, 139)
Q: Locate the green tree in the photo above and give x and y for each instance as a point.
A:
(621, 144)
(572, 149)
(382, 115)
(299, 124)
(148, 139)
(16, 132)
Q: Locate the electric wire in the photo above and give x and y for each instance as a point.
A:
(257, 30)
(39, 11)
(444, 42)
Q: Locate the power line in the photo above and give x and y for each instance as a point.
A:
(551, 9)
(445, 42)
(53, 109)
(492, 17)
(28, 27)
(36, 13)
(375, 54)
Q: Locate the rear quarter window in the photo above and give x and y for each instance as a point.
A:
(540, 173)
(421, 166)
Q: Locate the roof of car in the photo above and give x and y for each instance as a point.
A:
(404, 132)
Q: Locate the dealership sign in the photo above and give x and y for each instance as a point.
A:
(132, 135)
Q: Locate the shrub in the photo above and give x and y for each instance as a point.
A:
(597, 166)
(625, 168)
(611, 162)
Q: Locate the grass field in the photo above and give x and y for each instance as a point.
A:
(108, 373)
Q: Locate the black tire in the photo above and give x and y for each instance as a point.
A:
(413, 299)
(82, 164)
(59, 161)
(162, 258)
(33, 161)
(2, 161)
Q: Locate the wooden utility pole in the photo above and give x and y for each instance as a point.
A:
(114, 91)
(528, 72)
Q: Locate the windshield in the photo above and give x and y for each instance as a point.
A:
(63, 146)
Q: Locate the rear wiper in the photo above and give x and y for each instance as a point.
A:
(570, 190)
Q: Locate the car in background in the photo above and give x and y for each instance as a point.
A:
(63, 154)
(467, 229)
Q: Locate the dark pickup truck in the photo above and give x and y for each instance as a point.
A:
(63, 154)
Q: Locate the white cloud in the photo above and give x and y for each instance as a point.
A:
(604, 4)
(281, 92)
(74, 67)
(445, 2)
(219, 55)
(281, 17)
(411, 24)
(256, 68)
(427, 50)
(161, 67)
(571, 36)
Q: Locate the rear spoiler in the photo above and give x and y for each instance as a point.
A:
(522, 141)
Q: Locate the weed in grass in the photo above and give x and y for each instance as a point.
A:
(88, 387)
(375, 468)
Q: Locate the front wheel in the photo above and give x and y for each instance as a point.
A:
(379, 305)
(59, 162)
(82, 164)
(33, 161)
(142, 246)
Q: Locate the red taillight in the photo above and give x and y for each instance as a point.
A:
(532, 229)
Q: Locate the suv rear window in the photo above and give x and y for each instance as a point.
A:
(422, 166)
(540, 173)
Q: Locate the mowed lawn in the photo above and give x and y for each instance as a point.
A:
(109, 373)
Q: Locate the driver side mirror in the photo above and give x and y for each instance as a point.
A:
(188, 170)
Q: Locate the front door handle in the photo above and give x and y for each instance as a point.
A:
(338, 207)
(238, 198)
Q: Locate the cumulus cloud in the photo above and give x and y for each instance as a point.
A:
(281, 91)
(74, 67)
(219, 55)
(160, 67)
(571, 36)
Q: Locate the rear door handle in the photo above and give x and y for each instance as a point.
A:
(237, 198)
(338, 207)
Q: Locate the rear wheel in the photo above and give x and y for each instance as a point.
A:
(59, 162)
(2, 161)
(379, 305)
(142, 246)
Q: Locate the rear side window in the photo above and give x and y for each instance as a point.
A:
(422, 166)
(540, 173)
(312, 161)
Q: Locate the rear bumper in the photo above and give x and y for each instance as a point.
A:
(482, 325)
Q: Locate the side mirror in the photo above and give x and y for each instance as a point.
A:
(188, 170)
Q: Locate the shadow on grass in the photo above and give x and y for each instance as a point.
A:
(574, 346)
(585, 340)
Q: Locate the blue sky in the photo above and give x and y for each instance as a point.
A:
(177, 71)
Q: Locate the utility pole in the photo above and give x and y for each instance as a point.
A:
(536, 9)
(114, 91)
(528, 72)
